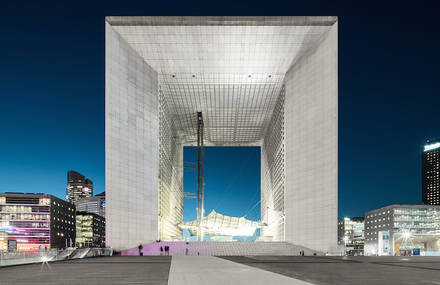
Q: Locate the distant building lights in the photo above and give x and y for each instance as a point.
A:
(432, 146)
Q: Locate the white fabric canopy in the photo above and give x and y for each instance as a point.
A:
(218, 224)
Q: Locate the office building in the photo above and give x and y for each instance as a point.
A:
(351, 236)
(94, 204)
(403, 230)
(34, 220)
(260, 81)
(78, 187)
(431, 173)
(90, 230)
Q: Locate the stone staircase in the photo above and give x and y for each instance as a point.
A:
(222, 248)
(79, 253)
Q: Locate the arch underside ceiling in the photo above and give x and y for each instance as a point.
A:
(233, 74)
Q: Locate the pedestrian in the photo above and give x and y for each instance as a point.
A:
(167, 250)
(141, 253)
(161, 250)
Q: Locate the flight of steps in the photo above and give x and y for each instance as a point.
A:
(223, 248)
(79, 253)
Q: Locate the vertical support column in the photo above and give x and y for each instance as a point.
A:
(131, 145)
(272, 175)
(311, 146)
(200, 204)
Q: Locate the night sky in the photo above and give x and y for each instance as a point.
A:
(52, 96)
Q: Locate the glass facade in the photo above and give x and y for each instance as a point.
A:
(78, 187)
(431, 173)
(417, 221)
(90, 230)
(94, 205)
(351, 236)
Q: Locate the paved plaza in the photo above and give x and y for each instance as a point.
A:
(196, 270)
(350, 270)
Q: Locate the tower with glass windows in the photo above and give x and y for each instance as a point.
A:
(431, 172)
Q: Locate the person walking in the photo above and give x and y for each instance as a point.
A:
(141, 253)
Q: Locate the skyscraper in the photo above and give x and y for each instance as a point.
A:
(78, 187)
(431, 172)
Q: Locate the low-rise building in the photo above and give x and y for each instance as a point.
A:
(351, 236)
(90, 230)
(403, 230)
(31, 221)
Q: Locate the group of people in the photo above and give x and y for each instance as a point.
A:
(162, 249)
(166, 249)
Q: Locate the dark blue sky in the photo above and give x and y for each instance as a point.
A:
(232, 181)
(52, 91)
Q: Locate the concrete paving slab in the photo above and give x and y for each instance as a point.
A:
(202, 270)
(94, 271)
(350, 270)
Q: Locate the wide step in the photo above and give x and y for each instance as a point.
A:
(222, 249)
